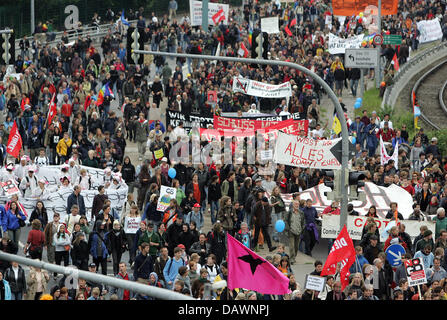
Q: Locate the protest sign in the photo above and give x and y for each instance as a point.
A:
(430, 30)
(131, 224)
(217, 12)
(189, 121)
(10, 187)
(415, 272)
(305, 152)
(261, 89)
(166, 194)
(314, 283)
(270, 25)
(338, 45)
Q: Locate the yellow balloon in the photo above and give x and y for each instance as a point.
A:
(361, 14)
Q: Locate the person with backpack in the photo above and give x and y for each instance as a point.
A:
(98, 246)
(160, 263)
(36, 241)
(195, 216)
(170, 270)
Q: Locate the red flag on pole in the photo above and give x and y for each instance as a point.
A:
(88, 101)
(244, 48)
(218, 17)
(342, 252)
(395, 63)
(52, 110)
(248, 270)
(14, 141)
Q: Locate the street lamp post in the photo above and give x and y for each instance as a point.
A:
(321, 82)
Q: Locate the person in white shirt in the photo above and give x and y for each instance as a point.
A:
(318, 132)
(28, 185)
(268, 184)
(41, 192)
(22, 168)
(73, 170)
(8, 173)
(65, 185)
(285, 111)
(117, 182)
(386, 118)
(179, 131)
(107, 179)
(41, 160)
(253, 109)
(84, 180)
(72, 218)
(64, 172)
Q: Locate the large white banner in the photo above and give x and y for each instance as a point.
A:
(338, 45)
(331, 227)
(430, 30)
(57, 199)
(381, 197)
(215, 10)
(304, 152)
(270, 25)
(261, 89)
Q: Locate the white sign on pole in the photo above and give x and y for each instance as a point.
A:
(430, 30)
(195, 10)
(315, 283)
(305, 152)
(266, 155)
(361, 58)
(338, 45)
(166, 194)
(131, 224)
(270, 25)
(415, 272)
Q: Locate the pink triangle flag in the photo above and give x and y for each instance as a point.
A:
(250, 271)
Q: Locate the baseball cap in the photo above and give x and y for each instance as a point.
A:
(164, 159)
(196, 205)
(181, 246)
(92, 265)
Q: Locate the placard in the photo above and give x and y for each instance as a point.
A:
(166, 194)
(270, 25)
(415, 272)
(315, 283)
(219, 11)
(131, 224)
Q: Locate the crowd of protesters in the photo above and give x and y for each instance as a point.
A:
(172, 249)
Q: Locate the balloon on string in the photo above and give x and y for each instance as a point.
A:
(172, 173)
(353, 140)
(357, 105)
(280, 225)
(361, 14)
(359, 100)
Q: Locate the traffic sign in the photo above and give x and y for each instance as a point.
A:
(361, 58)
(393, 39)
(337, 153)
(394, 254)
(378, 39)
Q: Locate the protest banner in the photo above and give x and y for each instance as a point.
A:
(338, 45)
(218, 11)
(305, 152)
(261, 89)
(314, 283)
(415, 272)
(331, 226)
(131, 224)
(270, 25)
(353, 7)
(254, 123)
(430, 30)
(381, 197)
(166, 194)
(189, 121)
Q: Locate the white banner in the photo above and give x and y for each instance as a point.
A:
(166, 194)
(270, 25)
(384, 157)
(305, 152)
(331, 226)
(381, 197)
(261, 89)
(195, 10)
(430, 30)
(131, 224)
(338, 45)
(57, 199)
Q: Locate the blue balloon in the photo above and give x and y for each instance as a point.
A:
(172, 173)
(359, 100)
(280, 225)
(354, 140)
(357, 105)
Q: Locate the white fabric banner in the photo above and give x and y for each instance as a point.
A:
(270, 25)
(195, 10)
(166, 194)
(331, 226)
(305, 152)
(338, 45)
(56, 198)
(384, 157)
(261, 89)
(430, 30)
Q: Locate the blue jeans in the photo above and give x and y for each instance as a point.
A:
(354, 84)
(214, 209)
(17, 296)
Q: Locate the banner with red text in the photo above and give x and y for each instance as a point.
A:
(305, 152)
(261, 89)
(274, 123)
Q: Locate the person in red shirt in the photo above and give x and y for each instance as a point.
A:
(386, 132)
(66, 108)
(332, 209)
(123, 275)
(394, 238)
(36, 240)
(405, 184)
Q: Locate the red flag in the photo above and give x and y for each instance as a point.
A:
(395, 63)
(52, 110)
(288, 31)
(248, 270)
(14, 141)
(87, 102)
(342, 252)
(25, 101)
(218, 17)
(244, 48)
(293, 22)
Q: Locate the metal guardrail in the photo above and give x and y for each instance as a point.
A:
(440, 97)
(390, 95)
(415, 87)
(94, 32)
